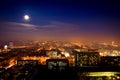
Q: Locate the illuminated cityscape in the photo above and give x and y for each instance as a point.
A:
(59, 40)
(76, 53)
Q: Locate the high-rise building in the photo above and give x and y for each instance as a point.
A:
(86, 59)
(110, 61)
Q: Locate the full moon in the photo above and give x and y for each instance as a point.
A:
(26, 17)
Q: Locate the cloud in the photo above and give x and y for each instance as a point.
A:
(56, 26)
(53, 29)
(53, 25)
(17, 26)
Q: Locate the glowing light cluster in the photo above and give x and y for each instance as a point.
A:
(5, 47)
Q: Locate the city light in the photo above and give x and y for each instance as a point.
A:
(76, 56)
(102, 74)
(5, 47)
(67, 55)
(59, 40)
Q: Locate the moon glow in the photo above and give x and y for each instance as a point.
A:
(26, 17)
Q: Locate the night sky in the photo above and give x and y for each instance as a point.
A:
(60, 20)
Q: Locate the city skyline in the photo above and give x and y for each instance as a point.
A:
(60, 20)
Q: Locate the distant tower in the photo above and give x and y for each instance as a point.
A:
(113, 43)
(11, 45)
